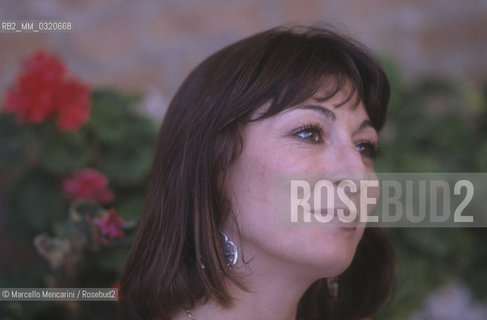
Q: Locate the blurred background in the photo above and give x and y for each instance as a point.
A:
(129, 58)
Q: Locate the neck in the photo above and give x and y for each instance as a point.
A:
(274, 294)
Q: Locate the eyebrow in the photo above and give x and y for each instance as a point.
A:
(330, 115)
(326, 112)
(365, 124)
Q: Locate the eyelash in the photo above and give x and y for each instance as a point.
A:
(374, 151)
(316, 129)
(313, 128)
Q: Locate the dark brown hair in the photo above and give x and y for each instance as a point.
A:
(200, 137)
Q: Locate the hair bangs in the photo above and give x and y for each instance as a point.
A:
(318, 65)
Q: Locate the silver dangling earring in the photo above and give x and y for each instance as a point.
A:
(229, 250)
(332, 284)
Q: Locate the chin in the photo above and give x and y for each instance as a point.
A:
(334, 252)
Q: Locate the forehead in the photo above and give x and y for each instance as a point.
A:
(336, 97)
(333, 110)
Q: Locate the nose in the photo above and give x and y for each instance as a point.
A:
(346, 163)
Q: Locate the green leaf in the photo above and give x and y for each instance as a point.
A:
(128, 164)
(110, 116)
(63, 152)
(130, 207)
(36, 202)
(14, 141)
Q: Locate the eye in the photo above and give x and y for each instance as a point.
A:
(368, 149)
(310, 132)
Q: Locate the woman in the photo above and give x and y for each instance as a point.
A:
(287, 100)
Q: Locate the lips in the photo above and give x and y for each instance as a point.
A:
(336, 221)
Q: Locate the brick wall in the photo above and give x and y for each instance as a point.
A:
(151, 45)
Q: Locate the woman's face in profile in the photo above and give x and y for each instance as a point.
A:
(326, 137)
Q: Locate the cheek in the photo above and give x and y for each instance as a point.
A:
(253, 172)
(251, 182)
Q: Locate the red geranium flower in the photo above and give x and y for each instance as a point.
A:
(88, 184)
(74, 99)
(34, 95)
(109, 228)
(42, 91)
